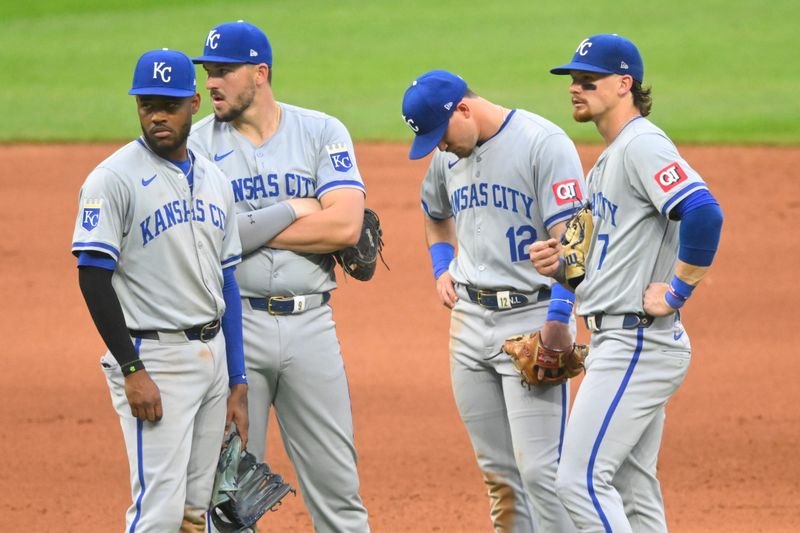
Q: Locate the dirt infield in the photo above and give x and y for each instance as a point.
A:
(727, 461)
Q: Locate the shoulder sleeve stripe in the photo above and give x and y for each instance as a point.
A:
(560, 217)
(78, 247)
(681, 195)
(340, 184)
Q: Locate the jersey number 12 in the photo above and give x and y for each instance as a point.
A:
(518, 240)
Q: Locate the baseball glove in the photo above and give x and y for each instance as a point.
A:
(575, 245)
(244, 489)
(359, 261)
(529, 355)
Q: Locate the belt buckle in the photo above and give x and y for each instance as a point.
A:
(591, 322)
(209, 329)
(272, 311)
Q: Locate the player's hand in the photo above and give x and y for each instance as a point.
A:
(545, 256)
(304, 206)
(654, 302)
(143, 396)
(556, 336)
(237, 412)
(446, 290)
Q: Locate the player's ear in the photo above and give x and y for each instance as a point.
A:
(463, 108)
(195, 103)
(625, 85)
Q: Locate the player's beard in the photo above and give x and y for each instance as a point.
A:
(582, 115)
(238, 106)
(166, 148)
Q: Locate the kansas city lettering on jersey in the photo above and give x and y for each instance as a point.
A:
(180, 212)
(490, 194)
(257, 187)
(604, 208)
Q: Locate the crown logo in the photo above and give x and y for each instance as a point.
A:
(253, 53)
(448, 105)
(623, 65)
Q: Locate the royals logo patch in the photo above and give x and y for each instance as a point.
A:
(91, 213)
(340, 157)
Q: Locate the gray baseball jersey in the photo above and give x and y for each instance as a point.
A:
(309, 155)
(505, 196)
(638, 176)
(168, 243)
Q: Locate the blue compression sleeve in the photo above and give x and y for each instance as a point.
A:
(232, 328)
(701, 224)
(561, 302)
(442, 253)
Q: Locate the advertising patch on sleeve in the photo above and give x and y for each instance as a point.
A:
(669, 176)
(340, 157)
(567, 192)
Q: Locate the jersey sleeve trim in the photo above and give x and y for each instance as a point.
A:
(680, 195)
(560, 217)
(78, 247)
(340, 184)
(428, 212)
(231, 261)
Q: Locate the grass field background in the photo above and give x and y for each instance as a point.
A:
(721, 71)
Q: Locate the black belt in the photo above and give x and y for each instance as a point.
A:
(203, 333)
(500, 300)
(289, 305)
(602, 321)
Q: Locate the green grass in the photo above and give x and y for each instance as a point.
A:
(721, 71)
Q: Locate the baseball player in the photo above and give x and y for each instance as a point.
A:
(499, 180)
(157, 241)
(271, 152)
(656, 230)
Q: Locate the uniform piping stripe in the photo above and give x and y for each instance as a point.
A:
(428, 212)
(563, 419)
(350, 184)
(80, 246)
(604, 427)
(680, 196)
(558, 217)
(234, 259)
(139, 462)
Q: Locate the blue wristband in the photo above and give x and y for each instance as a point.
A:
(679, 291)
(442, 253)
(561, 302)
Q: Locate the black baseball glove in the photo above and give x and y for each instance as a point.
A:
(244, 489)
(359, 261)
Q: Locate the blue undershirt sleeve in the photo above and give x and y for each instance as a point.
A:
(232, 328)
(701, 224)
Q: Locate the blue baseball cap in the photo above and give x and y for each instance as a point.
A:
(236, 42)
(608, 54)
(164, 73)
(428, 104)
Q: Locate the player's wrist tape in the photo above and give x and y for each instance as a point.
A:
(678, 292)
(442, 253)
(561, 302)
(131, 366)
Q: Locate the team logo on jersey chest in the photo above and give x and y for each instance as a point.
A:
(340, 157)
(669, 176)
(567, 191)
(90, 216)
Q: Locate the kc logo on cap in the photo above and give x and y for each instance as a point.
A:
(164, 73)
(236, 42)
(606, 54)
(428, 104)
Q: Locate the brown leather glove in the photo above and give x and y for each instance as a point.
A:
(529, 355)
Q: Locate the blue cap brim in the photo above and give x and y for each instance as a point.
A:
(221, 59)
(425, 143)
(161, 91)
(575, 65)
